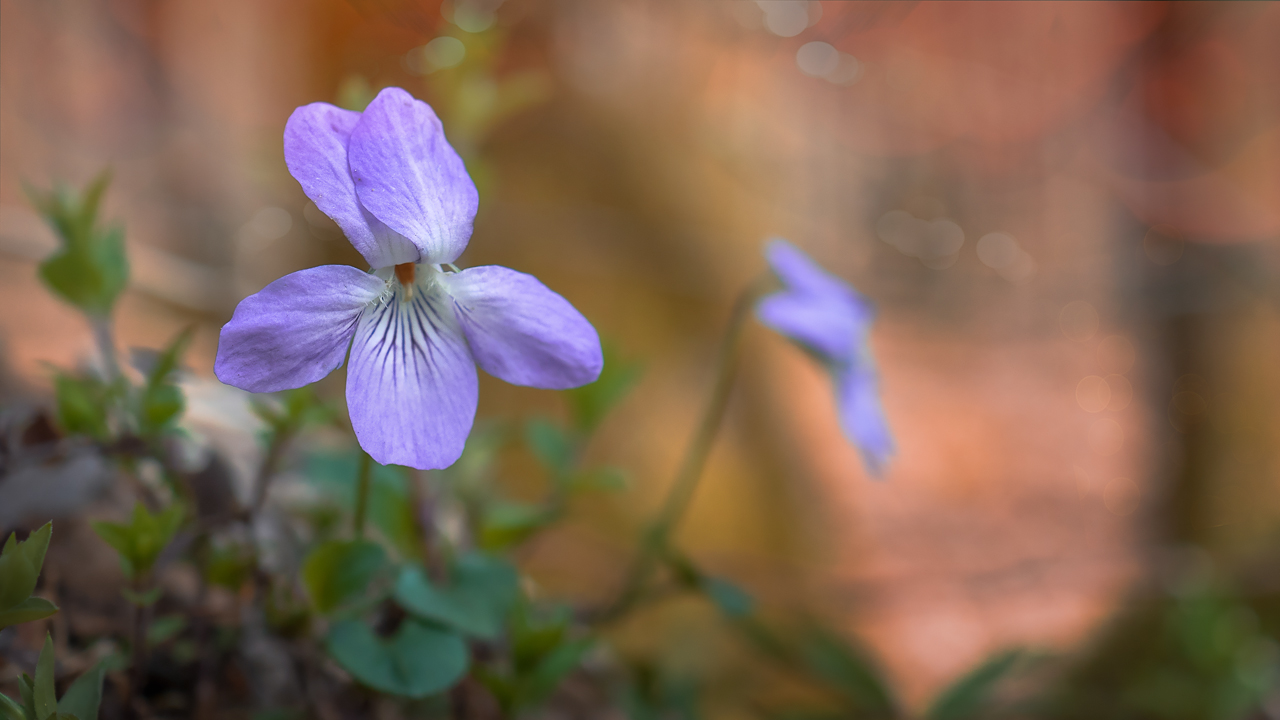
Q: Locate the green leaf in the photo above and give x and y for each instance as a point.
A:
(90, 269)
(46, 701)
(228, 566)
(970, 695)
(532, 638)
(160, 401)
(20, 564)
(340, 570)
(481, 592)
(415, 662)
(546, 677)
(82, 405)
(732, 600)
(36, 544)
(550, 445)
(90, 277)
(28, 693)
(158, 407)
(93, 199)
(117, 535)
(165, 628)
(847, 670)
(17, 576)
(11, 710)
(506, 523)
(167, 362)
(140, 542)
(291, 410)
(590, 404)
(33, 608)
(84, 695)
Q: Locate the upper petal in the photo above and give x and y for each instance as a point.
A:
(295, 330)
(522, 332)
(802, 275)
(315, 149)
(412, 385)
(408, 176)
(862, 416)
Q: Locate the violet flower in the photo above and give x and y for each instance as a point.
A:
(416, 326)
(830, 320)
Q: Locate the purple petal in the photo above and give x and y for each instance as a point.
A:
(827, 326)
(802, 275)
(411, 385)
(862, 417)
(815, 309)
(408, 176)
(315, 149)
(522, 332)
(295, 330)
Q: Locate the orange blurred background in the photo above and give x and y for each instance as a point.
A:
(1067, 214)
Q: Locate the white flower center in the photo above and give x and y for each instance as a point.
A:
(407, 280)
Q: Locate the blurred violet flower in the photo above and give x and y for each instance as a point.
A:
(416, 325)
(829, 319)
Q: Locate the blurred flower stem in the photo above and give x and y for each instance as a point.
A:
(362, 492)
(270, 463)
(104, 336)
(657, 538)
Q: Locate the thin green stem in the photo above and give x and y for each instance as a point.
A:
(658, 536)
(280, 437)
(362, 492)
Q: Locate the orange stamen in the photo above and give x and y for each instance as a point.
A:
(405, 273)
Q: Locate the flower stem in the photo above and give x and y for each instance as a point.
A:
(105, 338)
(658, 536)
(280, 437)
(362, 492)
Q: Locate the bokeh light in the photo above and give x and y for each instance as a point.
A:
(1078, 320)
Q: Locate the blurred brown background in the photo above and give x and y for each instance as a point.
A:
(1067, 214)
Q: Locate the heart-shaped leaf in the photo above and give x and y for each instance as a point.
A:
(415, 662)
(477, 600)
(339, 570)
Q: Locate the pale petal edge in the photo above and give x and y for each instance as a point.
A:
(522, 332)
(294, 331)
